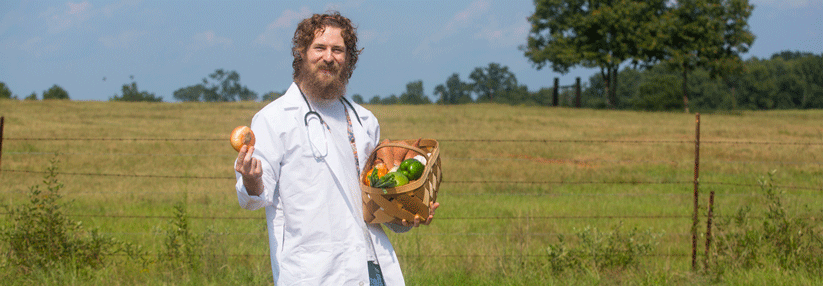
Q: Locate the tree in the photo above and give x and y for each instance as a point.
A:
(810, 70)
(492, 81)
(55, 92)
(414, 94)
(595, 34)
(131, 93)
(658, 94)
(791, 55)
(357, 98)
(5, 92)
(272, 95)
(454, 92)
(710, 34)
(32, 96)
(223, 86)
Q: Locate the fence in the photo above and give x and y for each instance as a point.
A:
(695, 183)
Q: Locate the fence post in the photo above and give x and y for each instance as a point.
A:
(577, 92)
(709, 230)
(696, 183)
(556, 92)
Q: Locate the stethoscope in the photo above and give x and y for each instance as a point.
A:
(316, 150)
(312, 114)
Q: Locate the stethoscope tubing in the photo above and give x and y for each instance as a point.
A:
(311, 111)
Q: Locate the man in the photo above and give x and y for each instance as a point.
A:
(312, 144)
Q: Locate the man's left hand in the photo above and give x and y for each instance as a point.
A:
(417, 222)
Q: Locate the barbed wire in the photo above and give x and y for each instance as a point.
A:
(467, 255)
(264, 233)
(124, 154)
(110, 139)
(558, 217)
(510, 182)
(575, 161)
(452, 140)
(123, 175)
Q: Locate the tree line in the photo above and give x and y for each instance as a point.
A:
(665, 55)
(786, 80)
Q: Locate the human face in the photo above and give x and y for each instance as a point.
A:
(324, 61)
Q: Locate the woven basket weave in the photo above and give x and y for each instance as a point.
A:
(404, 202)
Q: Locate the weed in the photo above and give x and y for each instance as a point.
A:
(40, 235)
(181, 246)
(775, 239)
(599, 251)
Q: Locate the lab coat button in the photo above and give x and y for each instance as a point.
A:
(361, 283)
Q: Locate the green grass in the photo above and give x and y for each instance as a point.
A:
(503, 202)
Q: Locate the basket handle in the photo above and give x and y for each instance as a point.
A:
(415, 149)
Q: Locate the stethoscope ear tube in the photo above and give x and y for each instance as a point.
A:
(311, 111)
(306, 117)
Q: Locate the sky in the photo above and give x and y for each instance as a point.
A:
(92, 48)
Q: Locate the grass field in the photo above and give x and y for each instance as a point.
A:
(516, 179)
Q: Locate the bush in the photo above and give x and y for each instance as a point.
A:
(40, 236)
(775, 239)
(598, 251)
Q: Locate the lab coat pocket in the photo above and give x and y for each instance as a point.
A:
(315, 264)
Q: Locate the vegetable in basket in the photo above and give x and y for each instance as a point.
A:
(412, 168)
(392, 180)
(378, 171)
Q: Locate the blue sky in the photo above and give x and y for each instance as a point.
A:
(167, 45)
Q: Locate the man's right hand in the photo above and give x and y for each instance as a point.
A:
(251, 170)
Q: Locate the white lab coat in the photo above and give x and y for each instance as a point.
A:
(314, 235)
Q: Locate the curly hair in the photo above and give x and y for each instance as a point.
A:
(306, 31)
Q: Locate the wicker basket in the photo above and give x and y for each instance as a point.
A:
(404, 202)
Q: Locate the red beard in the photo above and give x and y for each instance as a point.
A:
(324, 83)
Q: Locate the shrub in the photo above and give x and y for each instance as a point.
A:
(598, 251)
(39, 235)
(775, 239)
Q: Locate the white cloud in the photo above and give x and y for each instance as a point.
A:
(204, 41)
(34, 46)
(208, 39)
(462, 20)
(505, 37)
(123, 40)
(73, 14)
(277, 34)
(783, 3)
(110, 9)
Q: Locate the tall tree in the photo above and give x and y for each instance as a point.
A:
(219, 86)
(595, 34)
(810, 70)
(414, 94)
(191, 93)
(492, 81)
(710, 34)
(131, 93)
(454, 91)
(55, 92)
(5, 92)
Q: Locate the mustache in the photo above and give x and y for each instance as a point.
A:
(332, 67)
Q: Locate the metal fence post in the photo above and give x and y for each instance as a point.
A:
(2, 125)
(696, 185)
(709, 230)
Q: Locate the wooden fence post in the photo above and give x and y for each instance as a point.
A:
(577, 92)
(696, 186)
(556, 92)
